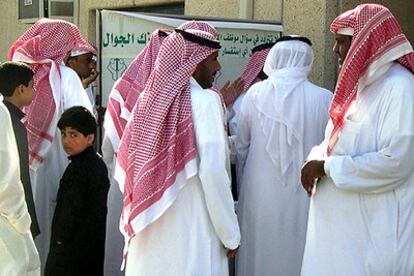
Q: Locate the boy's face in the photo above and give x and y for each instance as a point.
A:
(26, 93)
(74, 142)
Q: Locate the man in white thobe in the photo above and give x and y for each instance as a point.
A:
(280, 120)
(84, 64)
(361, 218)
(253, 73)
(57, 88)
(190, 227)
(122, 100)
(18, 252)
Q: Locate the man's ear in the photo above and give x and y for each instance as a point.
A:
(20, 89)
(90, 138)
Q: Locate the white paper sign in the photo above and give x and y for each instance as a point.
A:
(124, 35)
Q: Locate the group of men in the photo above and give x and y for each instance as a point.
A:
(168, 150)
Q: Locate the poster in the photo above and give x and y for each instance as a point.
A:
(125, 34)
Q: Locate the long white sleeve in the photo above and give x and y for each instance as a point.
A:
(12, 203)
(242, 140)
(212, 152)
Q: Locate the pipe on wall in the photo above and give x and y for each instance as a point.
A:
(246, 9)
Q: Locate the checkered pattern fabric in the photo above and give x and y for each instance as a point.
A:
(376, 33)
(159, 140)
(44, 46)
(128, 88)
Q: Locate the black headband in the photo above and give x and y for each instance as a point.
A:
(163, 33)
(199, 40)
(299, 38)
(261, 47)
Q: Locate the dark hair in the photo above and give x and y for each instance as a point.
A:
(13, 74)
(79, 118)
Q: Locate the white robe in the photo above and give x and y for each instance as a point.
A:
(114, 241)
(191, 236)
(235, 108)
(18, 254)
(361, 218)
(45, 180)
(91, 97)
(273, 210)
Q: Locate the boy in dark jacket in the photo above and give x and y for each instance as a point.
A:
(16, 86)
(78, 227)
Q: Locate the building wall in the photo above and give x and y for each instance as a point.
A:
(311, 18)
(268, 10)
(87, 11)
(262, 10)
(305, 17)
(212, 8)
(10, 28)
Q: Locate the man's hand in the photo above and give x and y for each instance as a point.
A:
(312, 170)
(232, 90)
(232, 252)
(89, 79)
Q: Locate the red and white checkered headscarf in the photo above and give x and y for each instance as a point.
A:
(254, 66)
(203, 26)
(128, 88)
(158, 144)
(43, 47)
(198, 25)
(377, 40)
(251, 72)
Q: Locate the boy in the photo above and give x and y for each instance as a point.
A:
(16, 86)
(78, 227)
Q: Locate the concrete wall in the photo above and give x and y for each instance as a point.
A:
(10, 28)
(212, 8)
(267, 10)
(87, 14)
(305, 17)
(311, 18)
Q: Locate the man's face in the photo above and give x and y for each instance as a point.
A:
(82, 65)
(341, 46)
(206, 71)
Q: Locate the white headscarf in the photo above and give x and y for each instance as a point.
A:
(281, 104)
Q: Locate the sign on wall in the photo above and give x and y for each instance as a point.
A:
(125, 34)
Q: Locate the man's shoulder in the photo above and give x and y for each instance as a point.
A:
(323, 92)
(400, 81)
(398, 74)
(67, 73)
(203, 97)
(91, 165)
